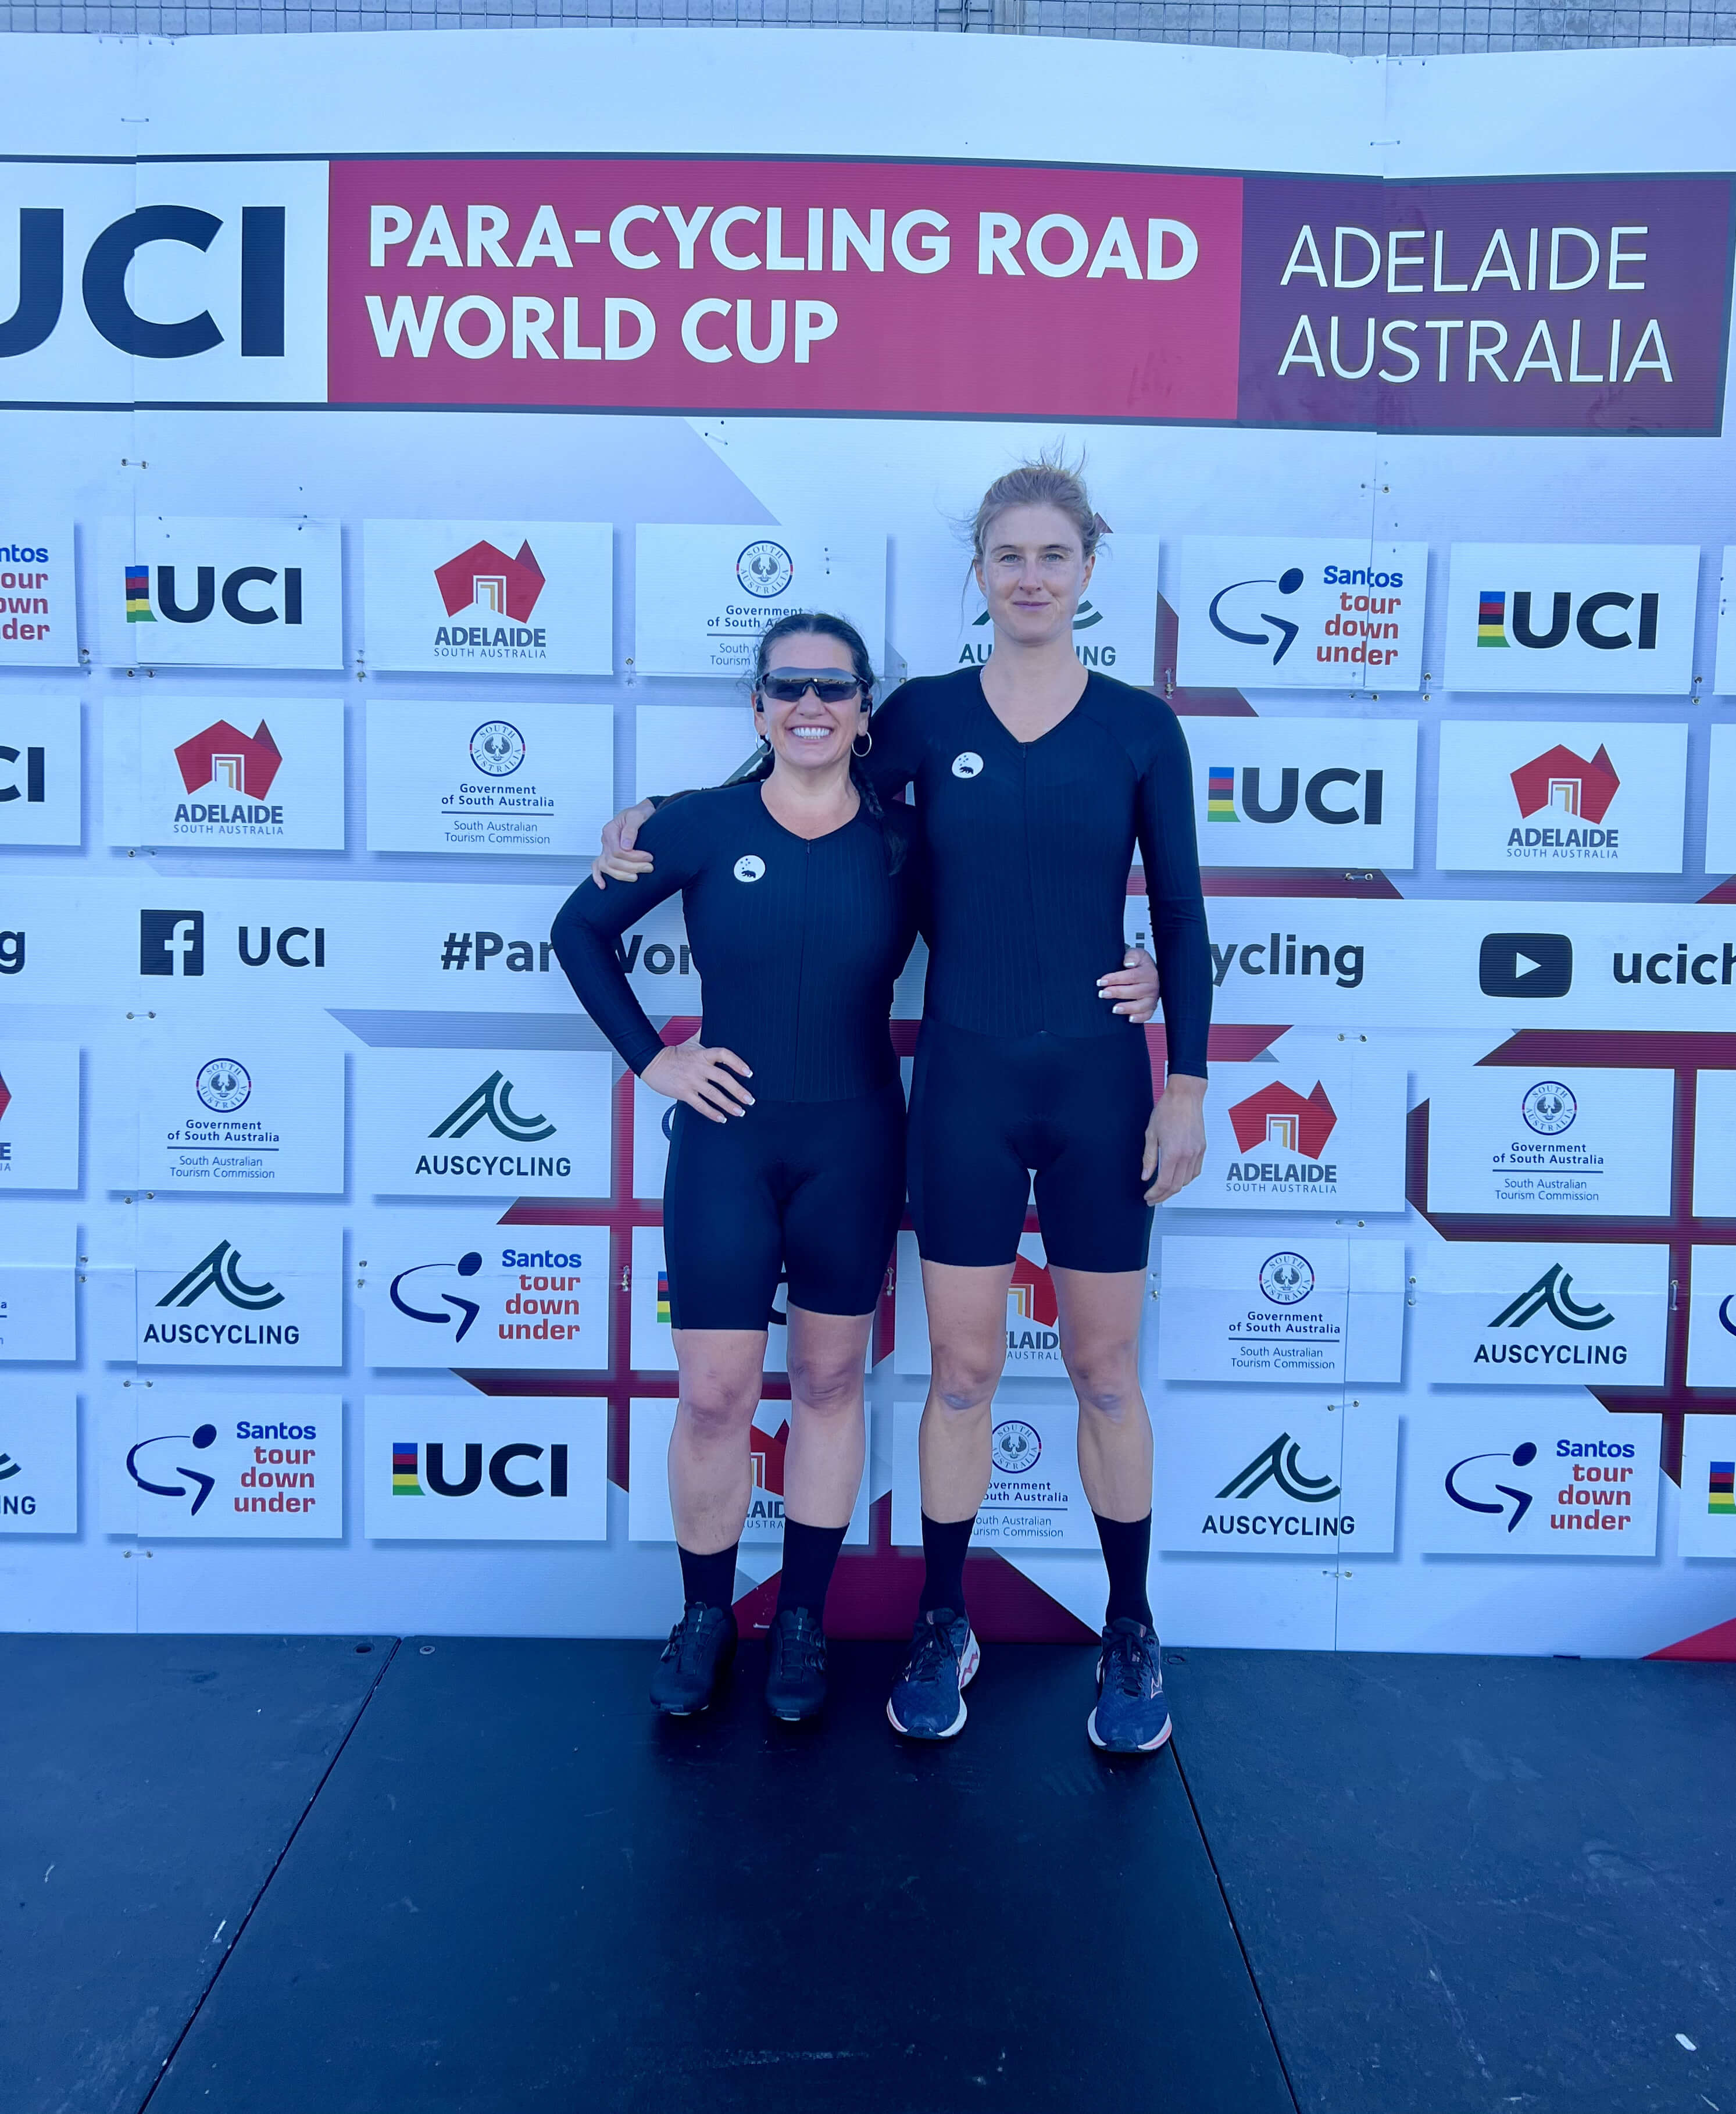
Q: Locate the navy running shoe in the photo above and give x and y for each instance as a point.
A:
(697, 1655)
(1131, 1717)
(795, 1677)
(926, 1702)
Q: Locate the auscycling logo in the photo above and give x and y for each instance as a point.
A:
(492, 1102)
(220, 1272)
(1552, 1294)
(1281, 1464)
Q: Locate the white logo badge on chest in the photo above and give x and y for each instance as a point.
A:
(750, 867)
(967, 764)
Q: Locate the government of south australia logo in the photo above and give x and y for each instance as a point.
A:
(220, 1272)
(1016, 1447)
(223, 1085)
(1284, 632)
(1521, 1457)
(1549, 1108)
(497, 749)
(1281, 1463)
(1286, 1278)
(765, 569)
(1553, 1290)
(493, 1100)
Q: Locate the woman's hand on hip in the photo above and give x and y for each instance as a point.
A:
(617, 860)
(1174, 1138)
(1131, 989)
(704, 1078)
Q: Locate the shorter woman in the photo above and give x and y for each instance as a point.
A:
(786, 1155)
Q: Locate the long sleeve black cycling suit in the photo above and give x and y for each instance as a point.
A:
(1021, 1067)
(797, 943)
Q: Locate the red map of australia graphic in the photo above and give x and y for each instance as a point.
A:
(508, 586)
(1302, 1125)
(223, 755)
(1559, 779)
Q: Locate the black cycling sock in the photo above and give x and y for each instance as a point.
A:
(944, 1544)
(1127, 1552)
(810, 1553)
(710, 1578)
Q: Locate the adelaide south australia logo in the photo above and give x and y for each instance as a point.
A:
(239, 769)
(1574, 790)
(1293, 1129)
(499, 594)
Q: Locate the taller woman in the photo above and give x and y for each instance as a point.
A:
(1035, 780)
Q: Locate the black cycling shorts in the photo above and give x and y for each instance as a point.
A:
(989, 1111)
(811, 1190)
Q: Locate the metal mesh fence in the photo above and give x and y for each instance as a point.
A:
(1376, 26)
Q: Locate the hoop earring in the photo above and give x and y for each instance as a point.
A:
(860, 752)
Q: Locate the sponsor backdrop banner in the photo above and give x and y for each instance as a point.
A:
(383, 508)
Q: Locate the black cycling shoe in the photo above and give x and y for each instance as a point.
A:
(795, 1679)
(697, 1657)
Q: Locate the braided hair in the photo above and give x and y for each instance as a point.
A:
(817, 624)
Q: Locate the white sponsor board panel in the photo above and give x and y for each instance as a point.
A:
(1714, 1145)
(1561, 797)
(221, 591)
(1300, 612)
(1311, 1310)
(1115, 628)
(249, 1107)
(1467, 965)
(1611, 619)
(1322, 1129)
(1534, 1314)
(39, 605)
(654, 1115)
(702, 596)
(490, 598)
(39, 1115)
(1712, 1319)
(1573, 1139)
(477, 777)
(482, 1122)
(1033, 1319)
(680, 748)
(233, 773)
(1035, 1499)
(180, 1466)
(1724, 679)
(42, 776)
(1708, 1515)
(39, 1457)
(1720, 799)
(457, 1288)
(1278, 1477)
(1532, 1480)
(239, 1286)
(648, 1515)
(437, 1468)
(653, 1335)
(38, 1288)
(1305, 792)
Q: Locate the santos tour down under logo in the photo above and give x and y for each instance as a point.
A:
(493, 1099)
(220, 1272)
(1553, 1290)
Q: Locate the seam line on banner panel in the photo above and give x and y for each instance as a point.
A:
(1235, 1929)
(241, 1929)
(947, 417)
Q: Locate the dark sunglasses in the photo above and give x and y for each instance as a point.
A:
(789, 686)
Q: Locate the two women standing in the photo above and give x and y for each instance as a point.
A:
(1034, 782)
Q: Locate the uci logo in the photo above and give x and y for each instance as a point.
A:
(967, 764)
(750, 867)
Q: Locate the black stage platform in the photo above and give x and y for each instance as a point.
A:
(355, 1876)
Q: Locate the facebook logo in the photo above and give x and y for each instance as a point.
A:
(172, 943)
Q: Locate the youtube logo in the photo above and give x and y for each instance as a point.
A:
(1525, 965)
